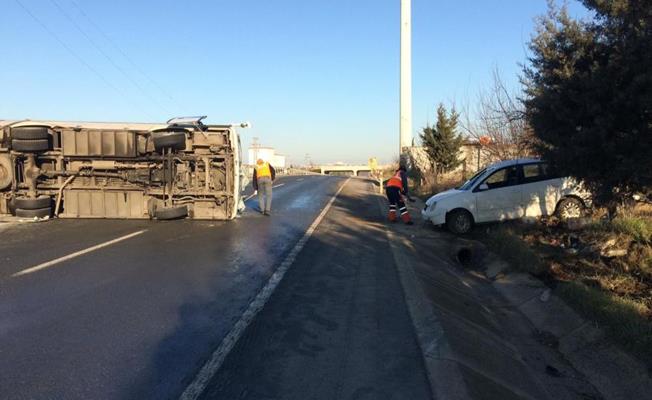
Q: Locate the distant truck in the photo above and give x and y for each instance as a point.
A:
(178, 169)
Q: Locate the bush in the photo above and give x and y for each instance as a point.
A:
(638, 228)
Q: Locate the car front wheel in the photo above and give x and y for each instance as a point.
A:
(459, 222)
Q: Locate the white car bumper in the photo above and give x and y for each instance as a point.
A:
(436, 216)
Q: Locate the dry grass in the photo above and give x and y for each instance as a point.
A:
(430, 189)
(621, 319)
(505, 242)
(638, 228)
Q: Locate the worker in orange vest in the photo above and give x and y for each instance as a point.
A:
(264, 175)
(397, 187)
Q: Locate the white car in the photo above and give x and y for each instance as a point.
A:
(507, 190)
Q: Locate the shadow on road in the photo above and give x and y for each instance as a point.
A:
(336, 327)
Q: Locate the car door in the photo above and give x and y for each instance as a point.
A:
(540, 189)
(533, 190)
(498, 197)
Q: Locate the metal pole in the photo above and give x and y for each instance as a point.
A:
(406, 77)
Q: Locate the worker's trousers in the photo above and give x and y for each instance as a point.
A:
(265, 194)
(396, 203)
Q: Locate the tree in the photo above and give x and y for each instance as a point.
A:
(442, 141)
(499, 115)
(589, 96)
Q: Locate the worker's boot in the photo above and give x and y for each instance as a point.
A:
(405, 216)
(392, 214)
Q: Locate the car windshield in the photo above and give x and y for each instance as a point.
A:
(468, 184)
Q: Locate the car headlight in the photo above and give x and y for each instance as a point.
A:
(431, 206)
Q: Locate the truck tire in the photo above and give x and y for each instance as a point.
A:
(167, 213)
(11, 205)
(6, 171)
(30, 146)
(39, 213)
(25, 203)
(30, 132)
(175, 140)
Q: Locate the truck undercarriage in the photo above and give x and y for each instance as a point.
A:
(109, 170)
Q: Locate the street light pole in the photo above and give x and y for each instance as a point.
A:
(406, 77)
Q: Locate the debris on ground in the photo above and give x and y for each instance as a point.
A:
(612, 260)
(603, 270)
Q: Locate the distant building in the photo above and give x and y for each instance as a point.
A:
(278, 161)
(267, 154)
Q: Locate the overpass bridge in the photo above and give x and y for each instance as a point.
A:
(354, 170)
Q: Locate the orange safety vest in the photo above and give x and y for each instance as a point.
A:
(263, 170)
(396, 180)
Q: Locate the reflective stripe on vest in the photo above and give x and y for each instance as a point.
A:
(263, 170)
(396, 181)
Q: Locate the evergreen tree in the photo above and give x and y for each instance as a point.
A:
(442, 142)
(589, 96)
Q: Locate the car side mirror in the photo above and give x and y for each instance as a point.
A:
(483, 187)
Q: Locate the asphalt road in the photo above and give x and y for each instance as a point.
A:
(139, 317)
(337, 326)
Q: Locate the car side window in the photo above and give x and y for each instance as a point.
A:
(538, 172)
(503, 178)
(533, 173)
(549, 172)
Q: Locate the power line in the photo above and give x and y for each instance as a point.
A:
(124, 54)
(108, 58)
(73, 53)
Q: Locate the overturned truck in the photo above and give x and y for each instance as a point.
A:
(182, 168)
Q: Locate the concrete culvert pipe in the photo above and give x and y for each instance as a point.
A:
(467, 252)
(464, 255)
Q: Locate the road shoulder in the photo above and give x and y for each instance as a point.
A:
(475, 344)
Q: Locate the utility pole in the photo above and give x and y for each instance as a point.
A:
(406, 77)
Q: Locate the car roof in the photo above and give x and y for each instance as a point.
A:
(509, 163)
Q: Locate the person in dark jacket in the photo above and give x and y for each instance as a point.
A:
(264, 175)
(397, 187)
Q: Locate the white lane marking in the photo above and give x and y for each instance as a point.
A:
(75, 254)
(279, 185)
(197, 386)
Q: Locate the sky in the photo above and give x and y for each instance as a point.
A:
(316, 79)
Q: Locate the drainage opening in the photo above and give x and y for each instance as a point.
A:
(464, 255)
